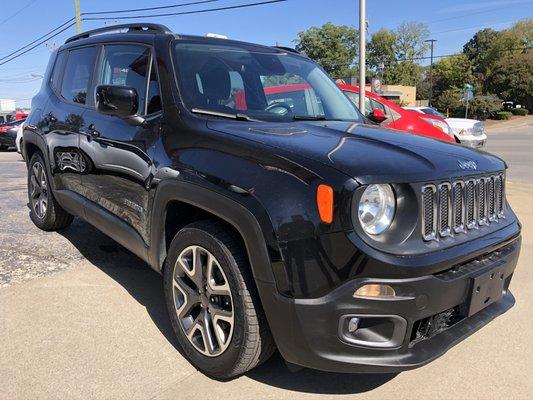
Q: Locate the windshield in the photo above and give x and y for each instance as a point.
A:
(432, 111)
(234, 80)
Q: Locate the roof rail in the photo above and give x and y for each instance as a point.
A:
(289, 49)
(148, 28)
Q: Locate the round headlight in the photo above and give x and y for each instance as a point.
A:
(376, 209)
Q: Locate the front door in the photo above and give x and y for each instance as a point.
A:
(63, 118)
(121, 153)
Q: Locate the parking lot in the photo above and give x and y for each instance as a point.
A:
(81, 317)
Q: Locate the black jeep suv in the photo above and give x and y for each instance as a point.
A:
(279, 221)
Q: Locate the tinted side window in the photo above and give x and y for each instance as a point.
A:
(154, 93)
(77, 76)
(55, 79)
(126, 65)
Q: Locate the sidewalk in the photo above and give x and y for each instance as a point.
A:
(494, 125)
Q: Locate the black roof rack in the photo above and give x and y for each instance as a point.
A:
(289, 49)
(138, 28)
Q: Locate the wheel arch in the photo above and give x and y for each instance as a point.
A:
(178, 203)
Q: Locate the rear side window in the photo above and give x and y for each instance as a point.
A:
(77, 76)
(55, 79)
(126, 65)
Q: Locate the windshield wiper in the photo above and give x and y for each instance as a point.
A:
(309, 118)
(238, 116)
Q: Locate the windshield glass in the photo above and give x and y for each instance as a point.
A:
(232, 79)
(432, 111)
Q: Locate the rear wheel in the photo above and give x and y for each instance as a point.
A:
(212, 302)
(45, 212)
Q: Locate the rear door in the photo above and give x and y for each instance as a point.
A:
(121, 153)
(64, 115)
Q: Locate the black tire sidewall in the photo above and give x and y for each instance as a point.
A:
(45, 222)
(222, 365)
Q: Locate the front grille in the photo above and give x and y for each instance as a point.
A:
(461, 205)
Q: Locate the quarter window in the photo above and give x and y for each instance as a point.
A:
(154, 92)
(126, 65)
(55, 79)
(77, 75)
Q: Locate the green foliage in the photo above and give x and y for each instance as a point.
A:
(520, 111)
(512, 78)
(452, 72)
(395, 50)
(503, 115)
(332, 46)
(449, 101)
(481, 107)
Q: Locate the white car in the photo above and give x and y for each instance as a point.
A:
(469, 132)
(18, 140)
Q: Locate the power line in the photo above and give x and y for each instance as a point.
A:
(17, 12)
(39, 38)
(37, 44)
(187, 12)
(151, 8)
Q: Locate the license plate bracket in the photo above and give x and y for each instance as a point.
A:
(487, 288)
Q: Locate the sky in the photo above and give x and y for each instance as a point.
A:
(452, 23)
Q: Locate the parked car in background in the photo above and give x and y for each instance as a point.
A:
(19, 138)
(8, 134)
(391, 115)
(469, 132)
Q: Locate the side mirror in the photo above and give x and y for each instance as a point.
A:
(118, 101)
(377, 115)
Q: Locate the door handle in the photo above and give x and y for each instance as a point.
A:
(90, 132)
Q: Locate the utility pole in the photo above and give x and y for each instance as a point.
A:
(78, 15)
(362, 54)
(430, 71)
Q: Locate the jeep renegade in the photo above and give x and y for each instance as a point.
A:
(286, 223)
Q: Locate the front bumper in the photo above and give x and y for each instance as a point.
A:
(473, 141)
(312, 332)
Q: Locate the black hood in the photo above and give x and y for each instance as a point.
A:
(368, 153)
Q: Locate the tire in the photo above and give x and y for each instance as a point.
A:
(249, 341)
(45, 212)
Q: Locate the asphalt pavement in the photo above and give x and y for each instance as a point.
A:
(83, 318)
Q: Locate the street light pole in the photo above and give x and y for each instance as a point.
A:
(431, 72)
(362, 54)
(78, 15)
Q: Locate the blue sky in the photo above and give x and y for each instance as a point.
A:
(452, 23)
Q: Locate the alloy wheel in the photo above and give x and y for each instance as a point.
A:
(38, 190)
(203, 301)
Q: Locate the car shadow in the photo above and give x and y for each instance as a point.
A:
(146, 286)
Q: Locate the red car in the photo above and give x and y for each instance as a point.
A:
(391, 115)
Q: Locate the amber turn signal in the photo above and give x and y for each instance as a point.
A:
(324, 202)
(375, 290)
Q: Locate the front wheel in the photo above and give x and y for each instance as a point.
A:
(212, 302)
(45, 211)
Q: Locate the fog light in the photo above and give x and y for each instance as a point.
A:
(353, 324)
(375, 290)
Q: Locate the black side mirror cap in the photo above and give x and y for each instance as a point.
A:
(118, 101)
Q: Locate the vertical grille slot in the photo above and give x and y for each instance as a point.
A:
(470, 196)
(458, 207)
(452, 208)
(428, 216)
(491, 199)
(482, 197)
(444, 209)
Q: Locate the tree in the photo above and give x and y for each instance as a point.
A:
(381, 54)
(483, 106)
(449, 101)
(480, 50)
(452, 72)
(397, 52)
(410, 40)
(512, 79)
(332, 46)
